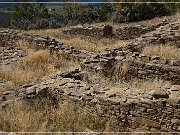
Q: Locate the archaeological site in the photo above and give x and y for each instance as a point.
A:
(92, 78)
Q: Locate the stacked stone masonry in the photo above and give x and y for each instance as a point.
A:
(137, 109)
(124, 33)
(157, 110)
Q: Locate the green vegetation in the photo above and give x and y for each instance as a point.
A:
(143, 11)
(28, 15)
(5, 18)
(117, 12)
(37, 16)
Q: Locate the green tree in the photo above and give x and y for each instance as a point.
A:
(104, 10)
(26, 14)
(142, 11)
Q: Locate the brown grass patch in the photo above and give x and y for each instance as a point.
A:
(36, 65)
(164, 51)
(6, 86)
(40, 117)
(22, 44)
(91, 44)
(140, 85)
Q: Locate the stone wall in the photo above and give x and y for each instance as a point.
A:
(136, 110)
(10, 53)
(124, 33)
(141, 66)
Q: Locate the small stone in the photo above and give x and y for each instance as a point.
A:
(174, 99)
(145, 58)
(31, 90)
(155, 57)
(119, 58)
(42, 90)
(175, 88)
(159, 94)
(173, 62)
(6, 93)
(11, 133)
(175, 121)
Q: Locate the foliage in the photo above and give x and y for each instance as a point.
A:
(5, 18)
(30, 16)
(26, 15)
(118, 12)
(86, 13)
(142, 11)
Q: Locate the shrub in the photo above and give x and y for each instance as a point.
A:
(26, 15)
(142, 11)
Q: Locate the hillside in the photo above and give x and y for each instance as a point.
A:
(102, 77)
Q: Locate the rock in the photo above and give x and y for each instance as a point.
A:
(11, 133)
(175, 88)
(159, 94)
(173, 99)
(42, 90)
(31, 90)
(155, 57)
(87, 132)
(119, 58)
(145, 58)
(7, 93)
(173, 62)
(175, 121)
(72, 74)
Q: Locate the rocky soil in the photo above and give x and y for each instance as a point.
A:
(140, 109)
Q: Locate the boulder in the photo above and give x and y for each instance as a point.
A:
(159, 94)
(31, 90)
(155, 57)
(173, 62)
(173, 99)
(175, 88)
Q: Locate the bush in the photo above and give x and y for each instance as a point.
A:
(142, 11)
(28, 16)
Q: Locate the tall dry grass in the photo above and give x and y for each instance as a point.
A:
(40, 117)
(164, 51)
(22, 44)
(138, 84)
(36, 65)
(6, 86)
(91, 44)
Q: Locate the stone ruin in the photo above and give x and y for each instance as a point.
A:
(155, 111)
(107, 31)
(123, 33)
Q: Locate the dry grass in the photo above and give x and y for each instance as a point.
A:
(148, 85)
(68, 117)
(94, 45)
(91, 44)
(164, 51)
(121, 70)
(139, 85)
(36, 65)
(6, 86)
(22, 44)
(108, 77)
(40, 117)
